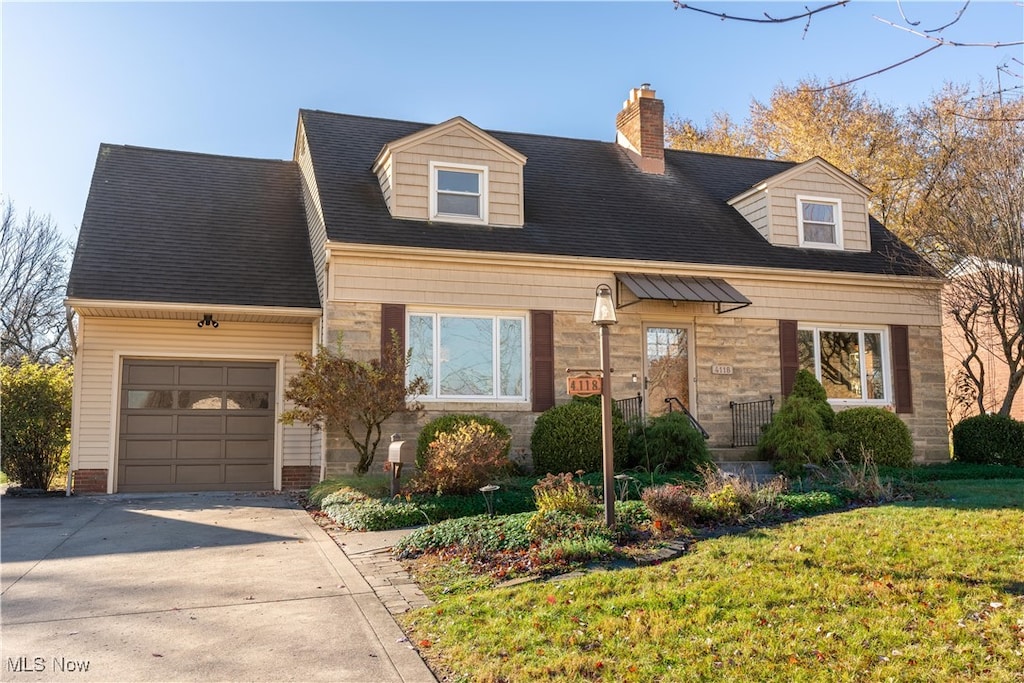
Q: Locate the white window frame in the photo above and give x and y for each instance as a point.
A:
(837, 215)
(481, 171)
(496, 397)
(887, 370)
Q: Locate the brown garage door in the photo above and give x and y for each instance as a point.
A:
(196, 426)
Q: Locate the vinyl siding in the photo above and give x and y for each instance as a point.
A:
(755, 209)
(104, 342)
(314, 209)
(782, 208)
(523, 287)
(410, 179)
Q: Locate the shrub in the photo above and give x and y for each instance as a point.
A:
(669, 442)
(669, 503)
(556, 525)
(449, 423)
(463, 459)
(631, 514)
(876, 431)
(567, 438)
(806, 385)
(481, 534)
(796, 437)
(374, 515)
(809, 502)
(35, 422)
(989, 439)
(562, 492)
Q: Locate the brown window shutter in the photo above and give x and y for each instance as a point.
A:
(542, 359)
(392, 317)
(789, 357)
(904, 395)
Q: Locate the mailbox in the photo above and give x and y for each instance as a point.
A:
(399, 453)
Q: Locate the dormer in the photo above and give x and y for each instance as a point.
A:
(812, 205)
(452, 173)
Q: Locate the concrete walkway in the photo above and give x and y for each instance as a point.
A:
(187, 587)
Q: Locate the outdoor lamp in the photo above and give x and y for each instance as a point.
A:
(488, 493)
(604, 306)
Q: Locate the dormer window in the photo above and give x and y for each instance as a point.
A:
(458, 192)
(819, 222)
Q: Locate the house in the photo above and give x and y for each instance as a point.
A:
(197, 278)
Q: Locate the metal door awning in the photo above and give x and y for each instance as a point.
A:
(708, 290)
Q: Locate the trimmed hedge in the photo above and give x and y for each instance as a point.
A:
(876, 431)
(567, 438)
(989, 439)
(668, 443)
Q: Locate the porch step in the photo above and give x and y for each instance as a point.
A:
(758, 470)
(741, 454)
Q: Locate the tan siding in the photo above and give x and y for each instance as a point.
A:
(314, 211)
(755, 210)
(384, 177)
(427, 282)
(817, 183)
(411, 175)
(110, 339)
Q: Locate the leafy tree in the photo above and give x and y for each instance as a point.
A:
(333, 390)
(35, 421)
(33, 278)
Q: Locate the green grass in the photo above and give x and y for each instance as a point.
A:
(951, 470)
(923, 591)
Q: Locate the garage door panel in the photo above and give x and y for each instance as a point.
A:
(147, 449)
(201, 375)
(250, 425)
(189, 449)
(148, 424)
(196, 426)
(250, 377)
(200, 424)
(252, 449)
(145, 373)
(199, 474)
(247, 474)
(145, 475)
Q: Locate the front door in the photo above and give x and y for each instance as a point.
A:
(666, 367)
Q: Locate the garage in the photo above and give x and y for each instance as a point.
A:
(196, 426)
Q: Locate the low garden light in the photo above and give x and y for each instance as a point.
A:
(604, 317)
(488, 494)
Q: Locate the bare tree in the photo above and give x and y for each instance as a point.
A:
(933, 36)
(972, 227)
(33, 278)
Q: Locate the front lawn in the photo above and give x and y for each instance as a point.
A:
(928, 590)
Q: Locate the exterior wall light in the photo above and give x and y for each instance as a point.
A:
(207, 321)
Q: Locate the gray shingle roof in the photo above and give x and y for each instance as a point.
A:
(193, 228)
(583, 198)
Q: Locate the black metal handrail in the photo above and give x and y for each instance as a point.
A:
(749, 419)
(696, 425)
(631, 409)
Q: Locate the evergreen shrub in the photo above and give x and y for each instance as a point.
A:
(989, 439)
(876, 431)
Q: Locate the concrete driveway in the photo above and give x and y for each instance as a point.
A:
(187, 587)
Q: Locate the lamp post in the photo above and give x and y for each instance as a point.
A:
(604, 317)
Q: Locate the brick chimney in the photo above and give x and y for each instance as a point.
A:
(640, 128)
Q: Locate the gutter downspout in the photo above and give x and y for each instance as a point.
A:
(70, 314)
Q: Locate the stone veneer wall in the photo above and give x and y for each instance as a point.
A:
(749, 346)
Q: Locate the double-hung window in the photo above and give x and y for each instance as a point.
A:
(819, 222)
(458, 192)
(851, 364)
(468, 357)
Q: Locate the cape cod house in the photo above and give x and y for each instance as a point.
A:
(197, 279)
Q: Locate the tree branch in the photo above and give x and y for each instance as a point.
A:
(879, 71)
(808, 13)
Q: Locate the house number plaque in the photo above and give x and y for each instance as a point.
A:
(583, 385)
(721, 369)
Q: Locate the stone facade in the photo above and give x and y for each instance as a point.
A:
(748, 346)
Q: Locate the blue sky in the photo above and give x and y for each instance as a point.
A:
(229, 78)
